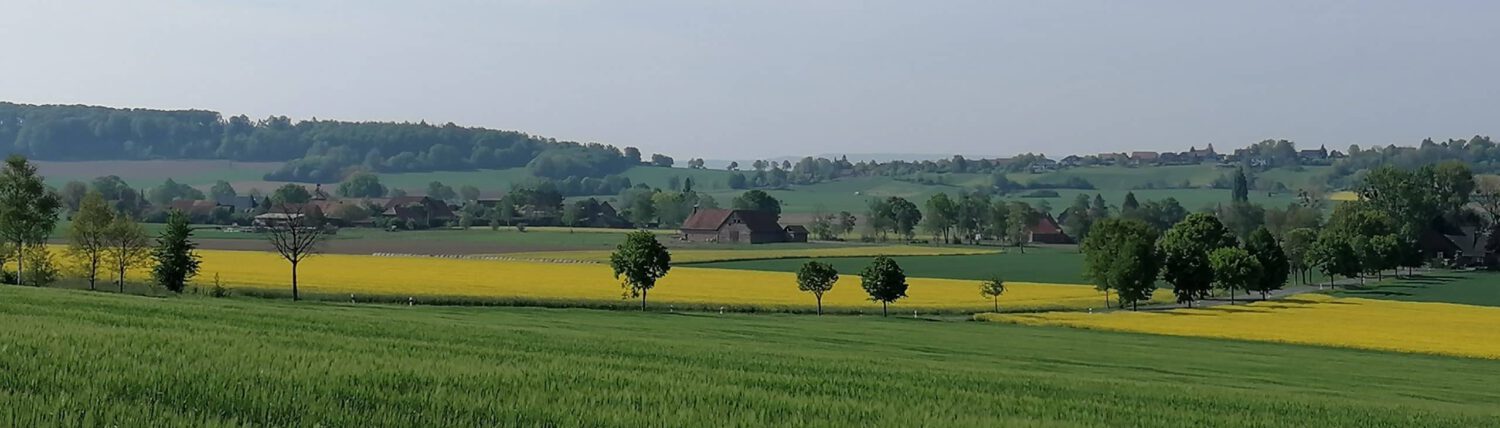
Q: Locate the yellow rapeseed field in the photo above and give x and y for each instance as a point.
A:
(1313, 319)
(1344, 196)
(698, 256)
(701, 287)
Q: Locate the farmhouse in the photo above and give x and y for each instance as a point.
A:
(416, 208)
(735, 226)
(1047, 231)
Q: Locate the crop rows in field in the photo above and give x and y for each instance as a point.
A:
(92, 359)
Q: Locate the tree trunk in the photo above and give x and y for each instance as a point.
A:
(1106, 298)
(121, 281)
(820, 304)
(885, 308)
(1231, 296)
(997, 303)
(20, 258)
(643, 300)
(295, 296)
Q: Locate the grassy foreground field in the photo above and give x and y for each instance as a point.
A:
(93, 359)
(1314, 319)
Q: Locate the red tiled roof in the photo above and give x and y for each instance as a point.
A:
(706, 219)
(1046, 224)
(713, 219)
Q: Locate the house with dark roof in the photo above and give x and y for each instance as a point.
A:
(733, 226)
(1142, 158)
(416, 208)
(239, 204)
(1047, 231)
(197, 210)
(796, 233)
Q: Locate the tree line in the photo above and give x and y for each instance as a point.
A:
(316, 151)
(101, 240)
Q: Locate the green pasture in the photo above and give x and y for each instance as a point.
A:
(74, 358)
(1468, 288)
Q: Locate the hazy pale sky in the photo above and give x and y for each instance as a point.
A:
(741, 79)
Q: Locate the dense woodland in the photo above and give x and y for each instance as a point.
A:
(318, 151)
(326, 151)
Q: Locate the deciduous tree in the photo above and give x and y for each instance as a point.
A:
(1275, 266)
(87, 236)
(1234, 269)
(991, 289)
(28, 211)
(639, 262)
(884, 281)
(1121, 255)
(128, 247)
(1184, 250)
(297, 236)
(817, 278)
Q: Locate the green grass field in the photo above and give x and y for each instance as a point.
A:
(1052, 265)
(93, 359)
(1472, 288)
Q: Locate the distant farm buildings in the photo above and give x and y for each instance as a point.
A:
(738, 227)
(1047, 231)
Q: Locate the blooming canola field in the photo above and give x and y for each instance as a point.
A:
(1311, 319)
(562, 283)
(705, 255)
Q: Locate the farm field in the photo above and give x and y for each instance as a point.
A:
(850, 194)
(1472, 288)
(1312, 319)
(1128, 178)
(477, 281)
(1062, 265)
(145, 173)
(96, 359)
(772, 252)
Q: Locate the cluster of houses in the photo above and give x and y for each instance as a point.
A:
(1193, 156)
(261, 212)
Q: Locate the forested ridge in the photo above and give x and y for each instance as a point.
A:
(322, 151)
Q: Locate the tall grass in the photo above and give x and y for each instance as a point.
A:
(95, 359)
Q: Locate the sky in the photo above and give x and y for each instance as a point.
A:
(749, 79)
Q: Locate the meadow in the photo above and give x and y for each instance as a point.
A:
(1062, 265)
(1312, 319)
(798, 201)
(95, 359)
(1467, 288)
(478, 281)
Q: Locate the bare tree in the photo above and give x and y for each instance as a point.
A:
(296, 230)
